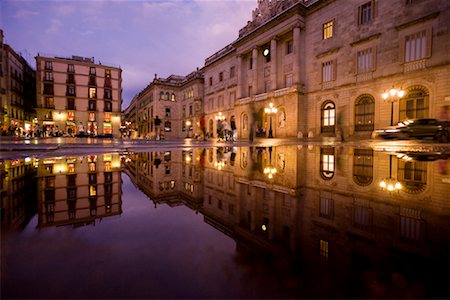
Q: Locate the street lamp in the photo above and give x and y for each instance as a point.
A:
(220, 117)
(391, 96)
(270, 111)
(270, 170)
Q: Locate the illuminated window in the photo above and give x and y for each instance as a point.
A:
(415, 104)
(50, 182)
(327, 163)
(107, 166)
(92, 92)
(324, 249)
(107, 117)
(92, 190)
(70, 115)
(92, 167)
(108, 73)
(173, 97)
(71, 168)
(328, 30)
(328, 117)
(92, 117)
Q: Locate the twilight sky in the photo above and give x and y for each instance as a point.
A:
(143, 37)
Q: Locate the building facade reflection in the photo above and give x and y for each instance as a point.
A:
(319, 200)
(78, 190)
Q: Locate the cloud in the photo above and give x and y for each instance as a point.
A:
(55, 25)
(25, 14)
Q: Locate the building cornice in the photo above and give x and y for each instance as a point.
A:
(418, 21)
(366, 39)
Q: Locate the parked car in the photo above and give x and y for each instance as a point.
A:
(416, 129)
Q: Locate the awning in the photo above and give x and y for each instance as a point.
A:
(48, 123)
(70, 123)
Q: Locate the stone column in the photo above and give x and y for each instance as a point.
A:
(296, 65)
(240, 77)
(273, 64)
(255, 88)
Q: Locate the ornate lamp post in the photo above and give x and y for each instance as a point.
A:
(220, 117)
(270, 111)
(391, 96)
(270, 170)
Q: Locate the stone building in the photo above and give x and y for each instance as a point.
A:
(17, 92)
(319, 68)
(168, 108)
(77, 95)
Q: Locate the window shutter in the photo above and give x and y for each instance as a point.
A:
(334, 69)
(356, 63)
(429, 35)
(358, 15)
(320, 73)
(374, 58)
(374, 12)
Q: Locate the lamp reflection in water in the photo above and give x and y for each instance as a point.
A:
(219, 165)
(270, 170)
(390, 184)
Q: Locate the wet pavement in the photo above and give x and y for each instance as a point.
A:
(192, 219)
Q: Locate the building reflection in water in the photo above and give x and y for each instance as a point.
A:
(18, 188)
(318, 203)
(63, 190)
(313, 199)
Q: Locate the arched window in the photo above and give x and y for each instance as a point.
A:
(161, 96)
(328, 117)
(412, 175)
(173, 98)
(364, 113)
(415, 103)
(327, 163)
(167, 126)
(167, 96)
(363, 166)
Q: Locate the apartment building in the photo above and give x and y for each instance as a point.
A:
(319, 68)
(76, 95)
(17, 92)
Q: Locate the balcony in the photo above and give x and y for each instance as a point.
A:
(71, 107)
(49, 105)
(414, 65)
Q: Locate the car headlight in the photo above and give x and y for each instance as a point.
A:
(392, 130)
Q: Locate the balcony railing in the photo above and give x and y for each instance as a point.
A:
(71, 107)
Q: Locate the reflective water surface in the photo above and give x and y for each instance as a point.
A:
(259, 222)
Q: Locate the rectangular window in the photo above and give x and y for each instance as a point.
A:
(49, 76)
(92, 105)
(92, 71)
(289, 47)
(324, 249)
(326, 208)
(70, 68)
(288, 80)
(49, 102)
(364, 61)
(71, 103)
(92, 117)
(92, 92)
(108, 73)
(167, 114)
(190, 110)
(250, 63)
(327, 29)
(210, 80)
(107, 117)
(70, 90)
(70, 78)
(328, 71)
(232, 72)
(108, 106)
(48, 88)
(48, 65)
(249, 90)
(108, 94)
(416, 46)
(221, 76)
(365, 13)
